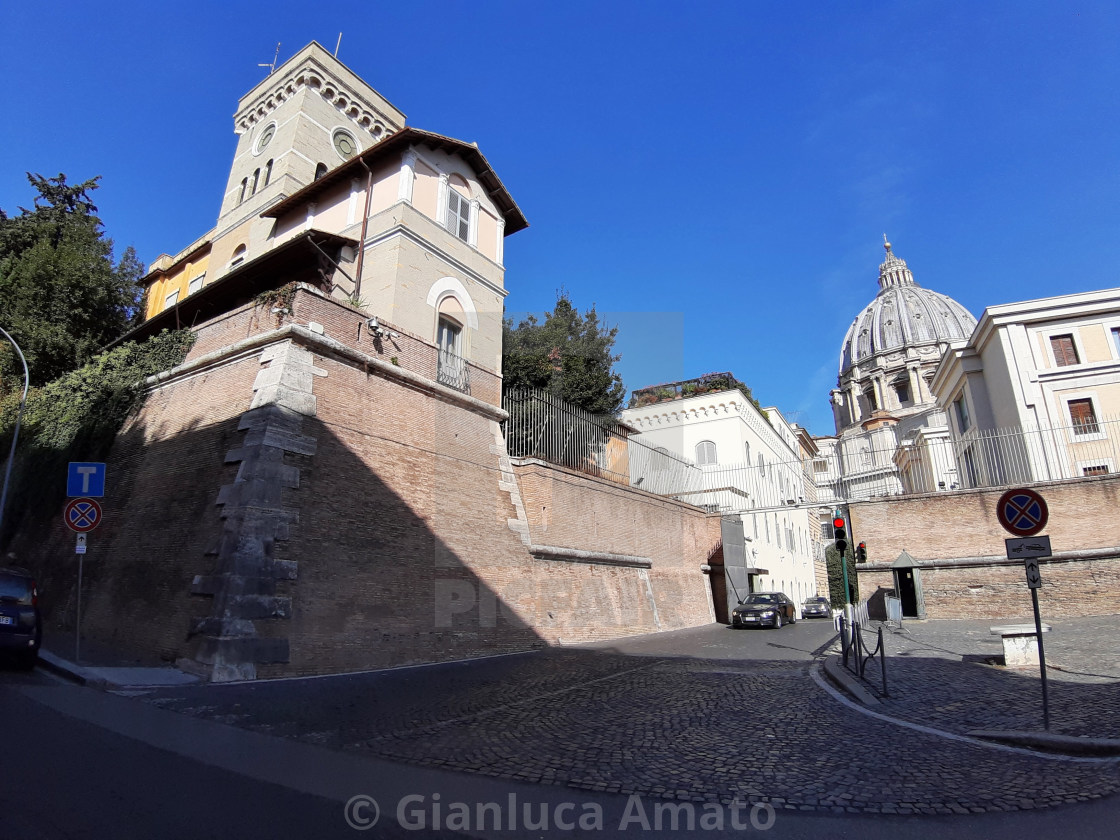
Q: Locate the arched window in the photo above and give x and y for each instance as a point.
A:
(244, 187)
(705, 453)
(238, 256)
(747, 451)
(320, 171)
(256, 179)
(267, 173)
(761, 466)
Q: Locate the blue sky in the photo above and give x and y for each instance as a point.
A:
(715, 177)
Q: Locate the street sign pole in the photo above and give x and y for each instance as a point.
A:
(1024, 513)
(78, 620)
(1041, 661)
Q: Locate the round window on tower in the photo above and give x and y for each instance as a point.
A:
(266, 137)
(345, 144)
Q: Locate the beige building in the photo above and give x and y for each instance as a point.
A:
(1032, 393)
(407, 225)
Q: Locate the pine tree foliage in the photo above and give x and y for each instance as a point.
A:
(62, 296)
(568, 354)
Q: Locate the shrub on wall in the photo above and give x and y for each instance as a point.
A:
(77, 416)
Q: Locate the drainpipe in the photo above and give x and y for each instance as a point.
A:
(365, 224)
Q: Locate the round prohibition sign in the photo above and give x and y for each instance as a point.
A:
(82, 515)
(1022, 512)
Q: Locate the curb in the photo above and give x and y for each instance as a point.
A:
(847, 682)
(75, 673)
(1050, 742)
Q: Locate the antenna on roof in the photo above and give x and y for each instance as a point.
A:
(337, 45)
(272, 67)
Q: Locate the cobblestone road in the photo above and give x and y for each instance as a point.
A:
(703, 715)
(945, 674)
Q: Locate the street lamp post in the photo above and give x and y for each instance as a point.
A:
(15, 434)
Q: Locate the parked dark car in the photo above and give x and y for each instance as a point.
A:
(764, 609)
(818, 607)
(21, 626)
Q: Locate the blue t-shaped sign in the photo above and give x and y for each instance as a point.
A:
(85, 479)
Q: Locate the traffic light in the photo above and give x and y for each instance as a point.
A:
(840, 534)
(861, 553)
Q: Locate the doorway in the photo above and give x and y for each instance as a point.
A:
(907, 591)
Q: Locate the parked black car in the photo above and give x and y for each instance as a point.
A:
(764, 609)
(818, 607)
(21, 626)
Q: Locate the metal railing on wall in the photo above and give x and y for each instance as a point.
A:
(980, 459)
(541, 425)
(452, 370)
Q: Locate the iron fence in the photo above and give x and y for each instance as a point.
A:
(541, 425)
(980, 459)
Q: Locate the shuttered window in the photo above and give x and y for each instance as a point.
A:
(1084, 418)
(458, 215)
(705, 453)
(1064, 351)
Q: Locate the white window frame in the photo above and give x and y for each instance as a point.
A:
(707, 453)
(196, 283)
(1095, 462)
(1075, 333)
(1112, 333)
(1074, 437)
(464, 203)
(961, 402)
(171, 299)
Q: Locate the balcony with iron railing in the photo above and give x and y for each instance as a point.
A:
(453, 371)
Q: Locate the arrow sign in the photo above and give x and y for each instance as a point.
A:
(1019, 549)
(1034, 579)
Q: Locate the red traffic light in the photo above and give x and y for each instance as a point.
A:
(838, 522)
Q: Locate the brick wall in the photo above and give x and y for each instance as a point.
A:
(959, 545)
(408, 528)
(572, 510)
(964, 524)
(160, 521)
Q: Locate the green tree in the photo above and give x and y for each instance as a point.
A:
(836, 578)
(568, 354)
(62, 296)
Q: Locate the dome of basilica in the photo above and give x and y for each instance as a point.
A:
(903, 314)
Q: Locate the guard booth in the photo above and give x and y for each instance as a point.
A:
(739, 570)
(908, 586)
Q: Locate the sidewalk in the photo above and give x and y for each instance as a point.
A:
(949, 675)
(101, 666)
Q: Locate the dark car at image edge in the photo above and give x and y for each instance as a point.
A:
(21, 626)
